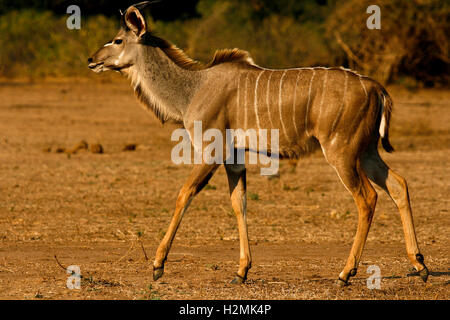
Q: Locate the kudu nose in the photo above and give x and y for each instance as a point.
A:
(90, 60)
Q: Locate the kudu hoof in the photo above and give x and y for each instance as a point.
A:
(424, 274)
(238, 280)
(342, 283)
(157, 273)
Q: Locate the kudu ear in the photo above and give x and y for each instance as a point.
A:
(135, 21)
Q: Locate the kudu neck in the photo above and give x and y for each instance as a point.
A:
(165, 87)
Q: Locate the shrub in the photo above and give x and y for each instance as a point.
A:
(412, 43)
(412, 39)
(39, 44)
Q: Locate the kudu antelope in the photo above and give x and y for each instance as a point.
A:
(334, 109)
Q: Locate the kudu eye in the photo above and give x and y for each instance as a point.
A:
(118, 41)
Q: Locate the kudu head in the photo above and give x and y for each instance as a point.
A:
(120, 53)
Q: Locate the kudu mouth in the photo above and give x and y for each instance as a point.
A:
(96, 67)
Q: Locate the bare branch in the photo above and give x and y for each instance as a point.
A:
(59, 263)
(348, 51)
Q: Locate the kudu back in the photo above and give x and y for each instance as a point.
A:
(335, 109)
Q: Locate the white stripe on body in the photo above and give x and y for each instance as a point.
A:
(238, 100)
(309, 100)
(293, 104)
(267, 98)
(256, 99)
(363, 86)
(280, 103)
(245, 102)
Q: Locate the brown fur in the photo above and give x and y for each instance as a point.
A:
(334, 108)
(181, 59)
(230, 55)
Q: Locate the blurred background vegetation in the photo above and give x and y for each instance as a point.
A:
(412, 47)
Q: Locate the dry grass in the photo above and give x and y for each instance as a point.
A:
(93, 210)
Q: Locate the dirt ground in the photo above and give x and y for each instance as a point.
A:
(106, 213)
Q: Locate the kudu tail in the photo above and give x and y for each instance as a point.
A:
(386, 110)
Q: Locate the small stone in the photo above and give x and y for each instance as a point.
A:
(130, 147)
(82, 145)
(96, 148)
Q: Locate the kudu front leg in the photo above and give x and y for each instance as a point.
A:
(237, 182)
(198, 178)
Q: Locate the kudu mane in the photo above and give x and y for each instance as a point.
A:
(181, 59)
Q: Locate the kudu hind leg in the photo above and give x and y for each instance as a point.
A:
(198, 178)
(365, 198)
(396, 187)
(237, 182)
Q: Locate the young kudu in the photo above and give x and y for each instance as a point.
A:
(334, 109)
